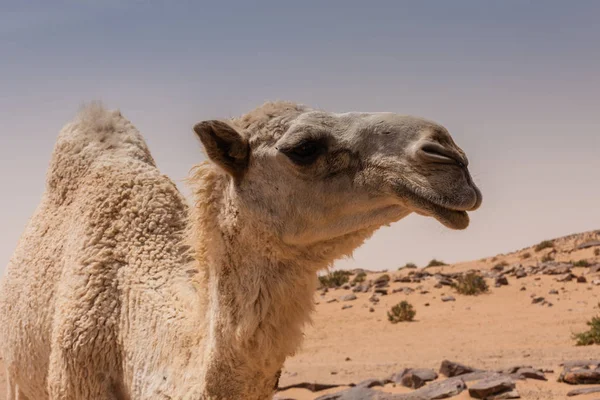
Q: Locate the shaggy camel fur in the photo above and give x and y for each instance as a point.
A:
(118, 291)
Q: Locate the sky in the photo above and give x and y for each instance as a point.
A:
(517, 83)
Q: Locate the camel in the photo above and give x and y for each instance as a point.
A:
(120, 290)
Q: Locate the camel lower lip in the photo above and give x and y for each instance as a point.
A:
(449, 217)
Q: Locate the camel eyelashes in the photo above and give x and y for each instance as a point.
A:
(306, 152)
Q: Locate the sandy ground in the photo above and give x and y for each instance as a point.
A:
(492, 331)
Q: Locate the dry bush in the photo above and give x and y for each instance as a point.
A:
(409, 266)
(436, 263)
(581, 263)
(471, 284)
(546, 244)
(526, 255)
(592, 336)
(360, 277)
(401, 312)
(335, 279)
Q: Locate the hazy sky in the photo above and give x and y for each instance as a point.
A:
(517, 83)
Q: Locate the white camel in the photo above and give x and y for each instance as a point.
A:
(118, 291)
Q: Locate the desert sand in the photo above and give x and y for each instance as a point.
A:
(496, 330)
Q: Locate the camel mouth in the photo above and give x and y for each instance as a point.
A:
(453, 216)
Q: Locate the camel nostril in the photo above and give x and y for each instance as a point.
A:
(437, 153)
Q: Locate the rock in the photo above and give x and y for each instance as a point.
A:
(581, 376)
(405, 290)
(580, 363)
(537, 300)
(491, 386)
(588, 390)
(369, 383)
(553, 291)
(374, 299)
(436, 390)
(397, 377)
(513, 394)
(523, 288)
(332, 301)
(588, 244)
(596, 282)
(313, 387)
(565, 278)
(520, 274)
(448, 298)
(403, 279)
(556, 268)
(380, 291)
(348, 297)
(594, 268)
(356, 393)
(478, 375)
(501, 281)
(451, 369)
(416, 378)
(581, 279)
(529, 373)
(442, 280)
(362, 288)
(371, 309)
(347, 306)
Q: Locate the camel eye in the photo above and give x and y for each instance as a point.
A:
(305, 153)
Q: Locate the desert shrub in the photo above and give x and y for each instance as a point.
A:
(526, 255)
(436, 263)
(592, 336)
(471, 284)
(403, 311)
(383, 278)
(581, 263)
(360, 277)
(409, 266)
(597, 252)
(546, 244)
(335, 279)
(547, 258)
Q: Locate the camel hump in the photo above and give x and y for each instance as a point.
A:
(96, 137)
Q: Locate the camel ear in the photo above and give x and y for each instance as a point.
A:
(224, 146)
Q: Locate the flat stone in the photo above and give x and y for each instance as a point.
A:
(581, 279)
(380, 291)
(436, 390)
(537, 300)
(451, 369)
(416, 378)
(369, 383)
(357, 393)
(491, 386)
(448, 298)
(582, 376)
(589, 390)
(565, 278)
(348, 297)
(346, 306)
(530, 373)
(588, 244)
(513, 394)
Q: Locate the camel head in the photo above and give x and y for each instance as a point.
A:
(311, 176)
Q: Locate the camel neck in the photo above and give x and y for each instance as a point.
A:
(258, 303)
